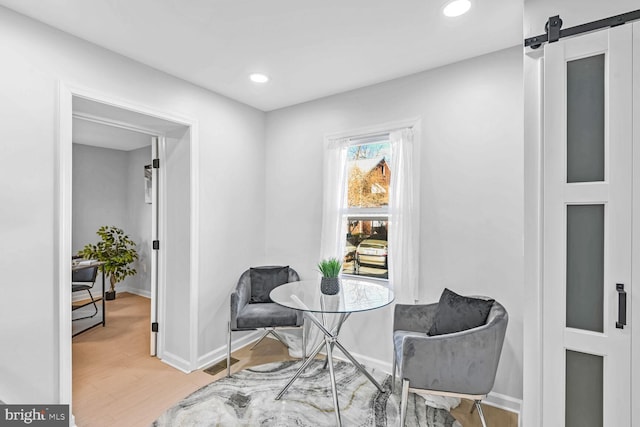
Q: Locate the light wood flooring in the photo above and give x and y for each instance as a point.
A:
(117, 383)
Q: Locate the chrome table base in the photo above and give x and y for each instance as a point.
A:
(330, 340)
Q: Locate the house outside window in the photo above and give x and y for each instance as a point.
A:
(365, 210)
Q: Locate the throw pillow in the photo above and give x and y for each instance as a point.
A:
(264, 279)
(457, 313)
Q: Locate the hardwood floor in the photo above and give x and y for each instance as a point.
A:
(117, 383)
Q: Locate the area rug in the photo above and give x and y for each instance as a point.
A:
(248, 399)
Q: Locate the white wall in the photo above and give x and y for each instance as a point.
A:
(35, 58)
(471, 188)
(99, 178)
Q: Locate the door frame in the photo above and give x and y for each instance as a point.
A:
(533, 76)
(63, 225)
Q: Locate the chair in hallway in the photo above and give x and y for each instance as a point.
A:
(83, 280)
(451, 348)
(252, 309)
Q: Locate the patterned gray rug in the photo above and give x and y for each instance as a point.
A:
(247, 399)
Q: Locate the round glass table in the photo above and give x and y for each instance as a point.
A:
(355, 295)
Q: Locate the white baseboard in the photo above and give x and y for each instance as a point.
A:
(220, 353)
(176, 362)
(140, 292)
(502, 401)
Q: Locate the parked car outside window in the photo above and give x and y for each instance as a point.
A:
(372, 252)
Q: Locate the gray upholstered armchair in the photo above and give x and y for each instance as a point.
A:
(251, 307)
(461, 364)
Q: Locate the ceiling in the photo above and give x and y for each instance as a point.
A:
(310, 49)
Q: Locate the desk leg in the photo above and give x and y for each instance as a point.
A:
(104, 314)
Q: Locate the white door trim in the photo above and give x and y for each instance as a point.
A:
(531, 415)
(155, 211)
(63, 221)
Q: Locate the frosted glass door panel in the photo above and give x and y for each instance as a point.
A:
(585, 267)
(584, 390)
(585, 119)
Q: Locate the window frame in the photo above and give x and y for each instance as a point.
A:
(347, 213)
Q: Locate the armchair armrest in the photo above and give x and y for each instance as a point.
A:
(239, 298)
(414, 317)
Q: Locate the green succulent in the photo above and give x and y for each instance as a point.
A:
(330, 267)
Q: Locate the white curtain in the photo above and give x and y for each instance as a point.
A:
(404, 220)
(333, 235)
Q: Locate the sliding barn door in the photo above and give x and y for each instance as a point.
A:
(587, 182)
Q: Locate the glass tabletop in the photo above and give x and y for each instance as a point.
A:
(354, 295)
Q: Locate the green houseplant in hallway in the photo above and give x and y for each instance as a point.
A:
(117, 251)
(330, 269)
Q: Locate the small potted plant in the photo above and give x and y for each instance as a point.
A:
(117, 251)
(330, 269)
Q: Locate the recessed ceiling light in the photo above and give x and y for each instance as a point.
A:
(258, 78)
(456, 8)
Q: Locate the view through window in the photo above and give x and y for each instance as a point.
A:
(366, 212)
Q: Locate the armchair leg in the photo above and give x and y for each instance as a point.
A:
(275, 334)
(403, 401)
(480, 413)
(229, 349)
(272, 332)
(260, 340)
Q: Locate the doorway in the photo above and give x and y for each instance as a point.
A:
(176, 225)
(112, 187)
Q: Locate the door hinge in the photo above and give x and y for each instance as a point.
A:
(156, 163)
(154, 327)
(156, 245)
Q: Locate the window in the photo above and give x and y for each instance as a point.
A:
(365, 209)
(370, 205)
